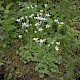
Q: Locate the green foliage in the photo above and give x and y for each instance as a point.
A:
(44, 54)
(72, 68)
(48, 38)
(45, 58)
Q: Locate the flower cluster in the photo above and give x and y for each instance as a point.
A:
(57, 45)
(38, 25)
(59, 23)
(53, 42)
(31, 6)
(38, 20)
(39, 40)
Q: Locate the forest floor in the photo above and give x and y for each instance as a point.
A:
(15, 69)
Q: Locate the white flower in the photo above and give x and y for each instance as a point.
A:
(26, 30)
(38, 14)
(52, 42)
(27, 20)
(40, 22)
(22, 18)
(56, 20)
(40, 29)
(58, 43)
(56, 48)
(31, 15)
(25, 25)
(26, 17)
(61, 23)
(36, 18)
(18, 20)
(31, 6)
(47, 26)
(35, 5)
(47, 15)
(20, 36)
(35, 31)
(30, 24)
(42, 40)
(48, 45)
(35, 39)
(28, 7)
(41, 10)
(45, 5)
(37, 24)
(41, 14)
(44, 19)
(40, 18)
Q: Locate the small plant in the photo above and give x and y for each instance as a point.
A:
(45, 30)
(42, 46)
(47, 37)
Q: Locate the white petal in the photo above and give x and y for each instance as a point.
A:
(26, 30)
(52, 42)
(56, 48)
(41, 10)
(56, 20)
(20, 36)
(18, 20)
(48, 45)
(58, 43)
(45, 5)
(35, 31)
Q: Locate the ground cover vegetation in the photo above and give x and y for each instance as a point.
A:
(45, 33)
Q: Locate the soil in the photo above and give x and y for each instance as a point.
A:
(78, 26)
(77, 72)
(15, 69)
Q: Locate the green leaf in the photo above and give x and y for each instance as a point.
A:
(1, 63)
(61, 78)
(41, 75)
(9, 6)
(6, 16)
(9, 76)
(17, 52)
(4, 45)
(49, 21)
(1, 9)
(6, 12)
